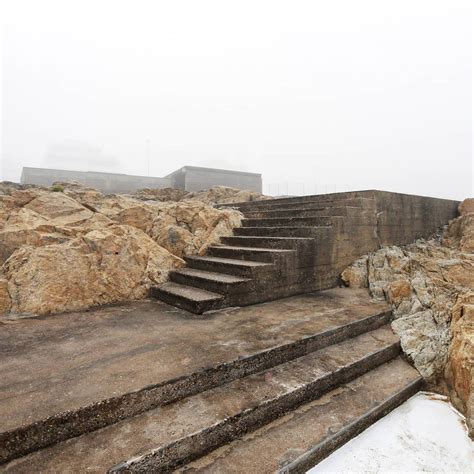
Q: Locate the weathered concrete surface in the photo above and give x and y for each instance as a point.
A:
(63, 362)
(162, 438)
(308, 434)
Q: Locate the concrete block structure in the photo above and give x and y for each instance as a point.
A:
(194, 178)
(298, 245)
(188, 178)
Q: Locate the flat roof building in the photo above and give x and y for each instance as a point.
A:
(189, 178)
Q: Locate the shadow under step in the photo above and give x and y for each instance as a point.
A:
(189, 298)
(169, 436)
(314, 212)
(278, 231)
(258, 254)
(291, 243)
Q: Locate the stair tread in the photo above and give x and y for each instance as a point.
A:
(252, 249)
(214, 276)
(263, 237)
(308, 434)
(144, 433)
(231, 261)
(163, 349)
(189, 292)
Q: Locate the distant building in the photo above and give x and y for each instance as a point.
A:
(189, 178)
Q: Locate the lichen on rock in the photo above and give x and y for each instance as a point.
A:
(430, 286)
(78, 248)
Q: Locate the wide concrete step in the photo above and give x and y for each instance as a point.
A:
(270, 255)
(304, 437)
(163, 439)
(327, 197)
(244, 268)
(278, 231)
(123, 361)
(294, 221)
(366, 203)
(189, 298)
(312, 212)
(294, 243)
(221, 283)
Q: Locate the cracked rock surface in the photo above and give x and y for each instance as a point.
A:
(430, 286)
(70, 247)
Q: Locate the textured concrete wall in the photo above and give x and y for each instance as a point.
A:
(105, 182)
(352, 225)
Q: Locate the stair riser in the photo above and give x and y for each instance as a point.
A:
(229, 269)
(198, 444)
(210, 285)
(277, 231)
(65, 425)
(321, 451)
(363, 203)
(288, 221)
(256, 256)
(319, 198)
(328, 211)
(196, 307)
(301, 246)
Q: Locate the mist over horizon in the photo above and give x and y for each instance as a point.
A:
(317, 98)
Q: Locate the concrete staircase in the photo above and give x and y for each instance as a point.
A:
(297, 245)
(283, 408)
(284, 247)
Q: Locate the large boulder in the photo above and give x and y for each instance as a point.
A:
(104, 266)
(79, 248)
(430, 286)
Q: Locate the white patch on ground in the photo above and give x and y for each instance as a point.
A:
(425, 434)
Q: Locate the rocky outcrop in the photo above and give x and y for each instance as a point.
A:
(430, 286)
(215, 195)
(70, 247)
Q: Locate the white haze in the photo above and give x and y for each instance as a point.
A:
(315, 95)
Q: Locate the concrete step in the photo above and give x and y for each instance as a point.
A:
(257, 254)
(189, 298)
(298, 441)
(311, 212)
(244, 268)
(319, 198)
(294, 221)
(221, 283)
(291, 243)
(366, 203)
(163, 439)
(278, 231)
(167, 356)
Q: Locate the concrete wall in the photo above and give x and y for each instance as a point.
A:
(105, 182)
(343, 227)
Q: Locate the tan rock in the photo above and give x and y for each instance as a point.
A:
(460, 368)
(116, 264)
(430, 286)
(466, 207)
(398, 290)
(355, 276)
(5, 301)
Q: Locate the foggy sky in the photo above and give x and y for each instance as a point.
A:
(329, 95)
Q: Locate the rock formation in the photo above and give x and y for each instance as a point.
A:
(430, 286)
(70, 247)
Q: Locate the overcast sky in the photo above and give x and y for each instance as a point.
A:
(322, 94)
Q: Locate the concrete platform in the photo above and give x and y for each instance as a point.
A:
(63, 362)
